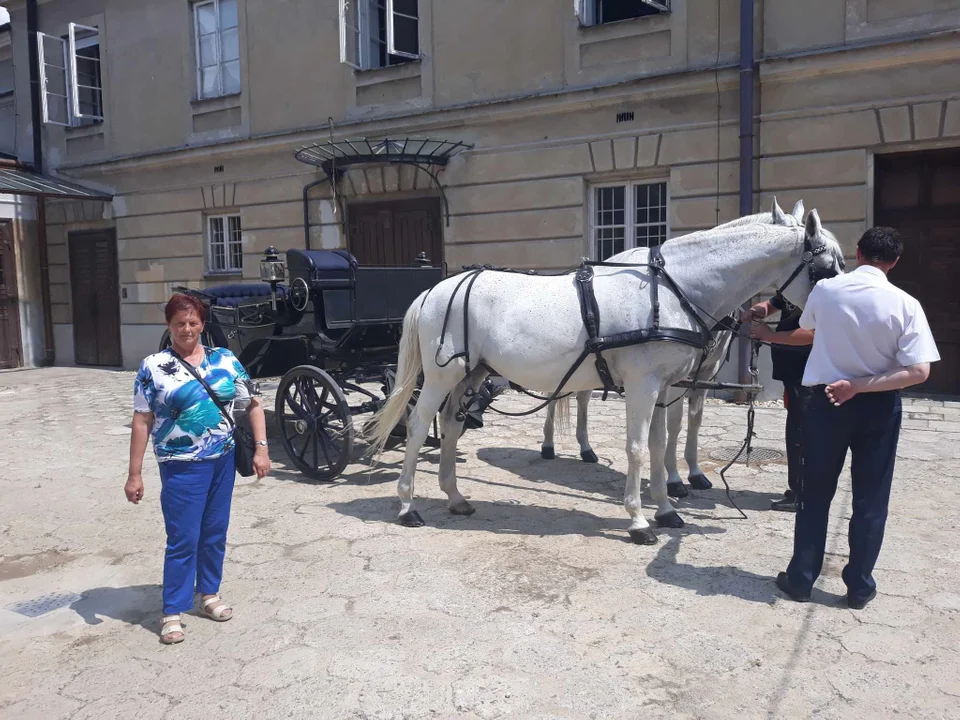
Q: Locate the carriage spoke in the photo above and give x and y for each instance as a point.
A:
(323, 445)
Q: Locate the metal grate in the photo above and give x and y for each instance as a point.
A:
(42, 605)
(757, 454)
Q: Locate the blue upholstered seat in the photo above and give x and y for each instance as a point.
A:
(235, 294)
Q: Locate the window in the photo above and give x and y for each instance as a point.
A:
(217, 31)
(628, 215)
(600, 12)
(379, 33)
(70, 77)
(8, 110)
(226, 243)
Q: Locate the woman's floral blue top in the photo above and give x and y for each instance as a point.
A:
(187, 424)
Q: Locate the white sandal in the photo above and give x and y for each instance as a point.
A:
(171, 625)
(218, 611)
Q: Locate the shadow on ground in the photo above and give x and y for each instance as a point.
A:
(135, 605)
(707, 580)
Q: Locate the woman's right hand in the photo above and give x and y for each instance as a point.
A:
(134, 488)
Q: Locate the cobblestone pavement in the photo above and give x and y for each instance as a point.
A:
(535, 607)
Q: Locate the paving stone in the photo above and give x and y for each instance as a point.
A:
(537, 606)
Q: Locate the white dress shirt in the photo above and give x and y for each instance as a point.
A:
(863, 326)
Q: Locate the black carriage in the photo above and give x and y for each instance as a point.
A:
(328, 327)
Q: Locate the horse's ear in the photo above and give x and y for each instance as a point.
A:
(798, 211)
(813, 226)
(779, 217)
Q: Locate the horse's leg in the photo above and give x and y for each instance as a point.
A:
(450, 429)
(696, 476)
(546, 448)
(586, 452)
(418, 427)
(666, 514)
(675, 486)
(640, 401)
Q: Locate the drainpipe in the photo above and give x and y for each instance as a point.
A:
(746, 154)
(33, 26)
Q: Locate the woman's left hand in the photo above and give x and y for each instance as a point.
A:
(261, 462)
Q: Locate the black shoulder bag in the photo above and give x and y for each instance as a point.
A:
(244, 446)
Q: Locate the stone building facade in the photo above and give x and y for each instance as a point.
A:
(589, 131)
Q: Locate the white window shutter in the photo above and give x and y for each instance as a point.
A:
(584, 11)
(403, 46)
(350, 33)
(74, 81)
(54, 99)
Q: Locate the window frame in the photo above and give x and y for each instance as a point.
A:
(586, 11)
(218, 36)
(72, 44)
(360, 30)
(229, 268)
(630, 211)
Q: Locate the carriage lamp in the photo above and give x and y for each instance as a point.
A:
(272, 270)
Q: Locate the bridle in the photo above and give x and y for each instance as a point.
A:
(810, 253)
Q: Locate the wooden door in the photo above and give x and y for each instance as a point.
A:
(11, 355)
(394, 233)
(919, 194)
(95, 285)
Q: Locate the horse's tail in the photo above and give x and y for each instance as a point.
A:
(561, 415)
(409, 365)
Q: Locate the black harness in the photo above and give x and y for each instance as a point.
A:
(701, 338)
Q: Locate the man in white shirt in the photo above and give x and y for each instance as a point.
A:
(870, 339)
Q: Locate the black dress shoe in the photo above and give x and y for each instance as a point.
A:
(783, 582)
(785, 505)
(862, 603)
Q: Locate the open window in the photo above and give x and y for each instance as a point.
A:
(70, 78)
(379, 33)
(601, 12)
(86, 91)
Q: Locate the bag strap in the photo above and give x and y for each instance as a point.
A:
(206, 386)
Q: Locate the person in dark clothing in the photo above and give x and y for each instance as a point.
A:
(870, 340)
(788, 366)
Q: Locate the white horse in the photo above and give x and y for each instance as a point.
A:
(529, 330)
(671, 398)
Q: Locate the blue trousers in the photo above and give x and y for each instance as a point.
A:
(196, 511)
(869, 426)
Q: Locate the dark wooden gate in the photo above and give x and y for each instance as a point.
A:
(95, 287)
(919, 194)
(11, 355)
(394, 233)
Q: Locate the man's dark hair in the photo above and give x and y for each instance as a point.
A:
(881, 245)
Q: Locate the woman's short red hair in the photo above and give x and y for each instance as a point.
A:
(184, 303)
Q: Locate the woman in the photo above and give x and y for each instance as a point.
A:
(194, 446)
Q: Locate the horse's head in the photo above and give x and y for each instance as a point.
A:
(821, 258)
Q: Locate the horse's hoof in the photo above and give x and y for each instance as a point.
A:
(670, 520)
(644, 536)
(699, 482)
(677, 490)
(411, 519)
(547, 453)
(463, 508)
(589, 456)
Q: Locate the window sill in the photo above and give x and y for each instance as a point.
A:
(374, 76)
(94, 128)
(221, 102)
(658, 19)
(221, 274)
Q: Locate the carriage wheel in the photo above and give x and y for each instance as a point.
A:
(315, 422)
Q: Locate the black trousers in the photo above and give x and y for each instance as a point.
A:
(869, 426)
(797, 397)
